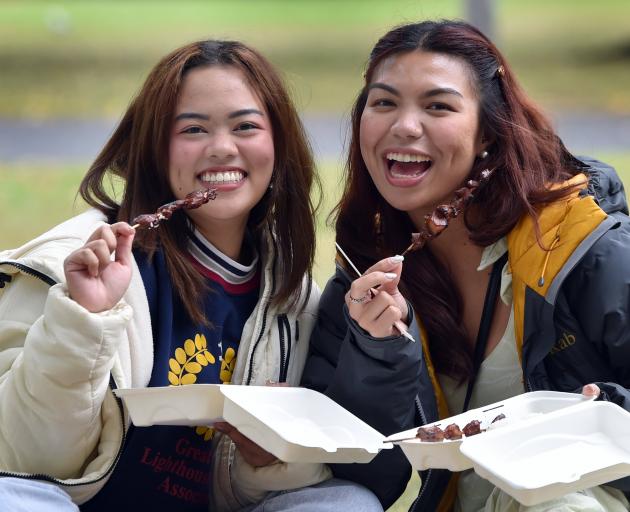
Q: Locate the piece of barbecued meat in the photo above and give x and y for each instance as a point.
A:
(193, 200)
(431, 434)
(472, 428)
(452, 431)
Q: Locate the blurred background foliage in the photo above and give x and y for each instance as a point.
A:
(86, 58)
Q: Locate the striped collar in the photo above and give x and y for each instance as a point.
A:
(233, 276)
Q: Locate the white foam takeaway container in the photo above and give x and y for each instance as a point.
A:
(294, 424)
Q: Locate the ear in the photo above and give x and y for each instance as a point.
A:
(482, 144)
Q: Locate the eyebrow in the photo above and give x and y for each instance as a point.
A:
(232, 115)
(245, 112)
(191, 115)
(433, 92)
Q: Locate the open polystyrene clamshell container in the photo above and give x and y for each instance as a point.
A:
(198, 404)
(294, 424)
(517, 410)
(300, 425)
(548, 457)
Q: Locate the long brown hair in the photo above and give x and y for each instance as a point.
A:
(524, 150)
(137, 152)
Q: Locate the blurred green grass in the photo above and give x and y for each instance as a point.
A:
(86, 59)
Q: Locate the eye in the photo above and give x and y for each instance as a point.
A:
(193, 130)
(382, 102)
(246, 126)
(439, 106)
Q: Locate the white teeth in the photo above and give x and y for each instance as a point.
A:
(222, 177)
(406, 157)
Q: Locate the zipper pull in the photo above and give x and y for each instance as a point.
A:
(541, 281)
(4, 279)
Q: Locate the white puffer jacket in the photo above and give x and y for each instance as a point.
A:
(59, 419)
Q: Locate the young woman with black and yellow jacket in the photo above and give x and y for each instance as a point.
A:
(439, 106)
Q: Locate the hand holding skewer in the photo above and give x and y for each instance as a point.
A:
(391, 304)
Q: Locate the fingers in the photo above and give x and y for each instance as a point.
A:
(591, 390)
(92, 256)
(251, 452)
(375, 302)
(124, 234)
(95, 255)
(274, 384)
(362, 288)
(391, 264)
(378, 316)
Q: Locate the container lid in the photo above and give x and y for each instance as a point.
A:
(547, 457)
(516, 410)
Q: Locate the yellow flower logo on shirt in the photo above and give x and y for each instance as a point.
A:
(189, 361)
(227, 366)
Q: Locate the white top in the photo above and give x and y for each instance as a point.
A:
(500, 377)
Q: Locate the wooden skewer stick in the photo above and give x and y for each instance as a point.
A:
(402, 328)
(400, 440)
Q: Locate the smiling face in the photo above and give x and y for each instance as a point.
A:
(221, 138)
(419, 131)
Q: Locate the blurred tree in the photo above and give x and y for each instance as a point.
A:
(482, 14)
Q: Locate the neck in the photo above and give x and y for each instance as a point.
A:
(454, 248)
(227, 237)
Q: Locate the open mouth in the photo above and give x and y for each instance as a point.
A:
(407, 165)
(222, 177)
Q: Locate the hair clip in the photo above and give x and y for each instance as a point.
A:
(501, 71)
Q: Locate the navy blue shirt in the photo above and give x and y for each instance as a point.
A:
(168, 468)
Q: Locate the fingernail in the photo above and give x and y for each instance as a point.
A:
(397, 259)
(390, 275)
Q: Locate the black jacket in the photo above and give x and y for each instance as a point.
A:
(586, 297)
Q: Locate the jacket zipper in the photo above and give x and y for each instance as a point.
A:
(264, 320)
(40, 476)
(424, 481)
(288, 355)
(281, 374)
(285, 346)
(31, 272)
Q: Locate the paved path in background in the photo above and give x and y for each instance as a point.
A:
(78, 141)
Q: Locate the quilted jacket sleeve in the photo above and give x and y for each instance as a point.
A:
(55, 359)
(598, 291)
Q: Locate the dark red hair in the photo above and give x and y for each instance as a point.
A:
(524, 151)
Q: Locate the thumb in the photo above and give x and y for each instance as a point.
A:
(124, 242)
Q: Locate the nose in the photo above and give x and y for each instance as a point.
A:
(408, 125)
(221, 146)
